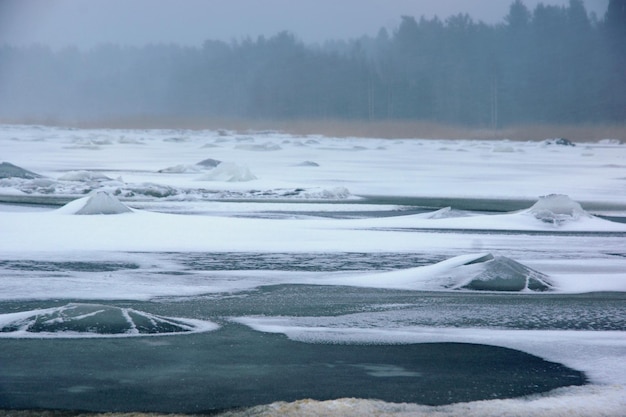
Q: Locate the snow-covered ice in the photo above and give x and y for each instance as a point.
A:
(564, 237)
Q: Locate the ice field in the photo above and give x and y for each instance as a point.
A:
(201, 271)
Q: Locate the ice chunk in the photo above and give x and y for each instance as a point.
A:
(209, 163)
(308, 164)
(180, 169)
(559, 141)
(8, 170)
(84, 176)
(228, 171)
(99, 202)
(557, 209)
(94, 320)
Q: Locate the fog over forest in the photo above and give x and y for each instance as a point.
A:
(551, 64)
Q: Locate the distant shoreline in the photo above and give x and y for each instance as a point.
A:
(384, 129)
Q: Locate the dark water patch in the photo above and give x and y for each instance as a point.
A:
(384, 308)
(480, 204)
(74, 266)
(555, 232)
(616, 219)
(238, 367)
(316, 262)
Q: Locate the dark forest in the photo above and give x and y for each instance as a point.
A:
(552, 64)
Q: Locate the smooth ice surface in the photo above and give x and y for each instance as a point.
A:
(601, 359)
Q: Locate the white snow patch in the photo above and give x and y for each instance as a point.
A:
(585, 401)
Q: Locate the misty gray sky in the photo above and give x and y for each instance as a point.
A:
(85, 23)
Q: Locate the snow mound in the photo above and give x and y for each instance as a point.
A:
(557, 209)
(84, 176)
(497, 273)
(99, 202)
(94, 320)
(474, 272)
(230, 172)
(8, 170)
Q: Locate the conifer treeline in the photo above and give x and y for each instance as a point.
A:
(550, 65)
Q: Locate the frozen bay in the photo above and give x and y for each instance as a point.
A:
(302, 255)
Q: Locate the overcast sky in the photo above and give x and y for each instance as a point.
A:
(85, 23)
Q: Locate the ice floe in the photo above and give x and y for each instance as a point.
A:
(94, 320)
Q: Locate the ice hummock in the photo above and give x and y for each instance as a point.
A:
(557, 209)
(8, 170)
(99, 202)
(230, 172)
(94, 320)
